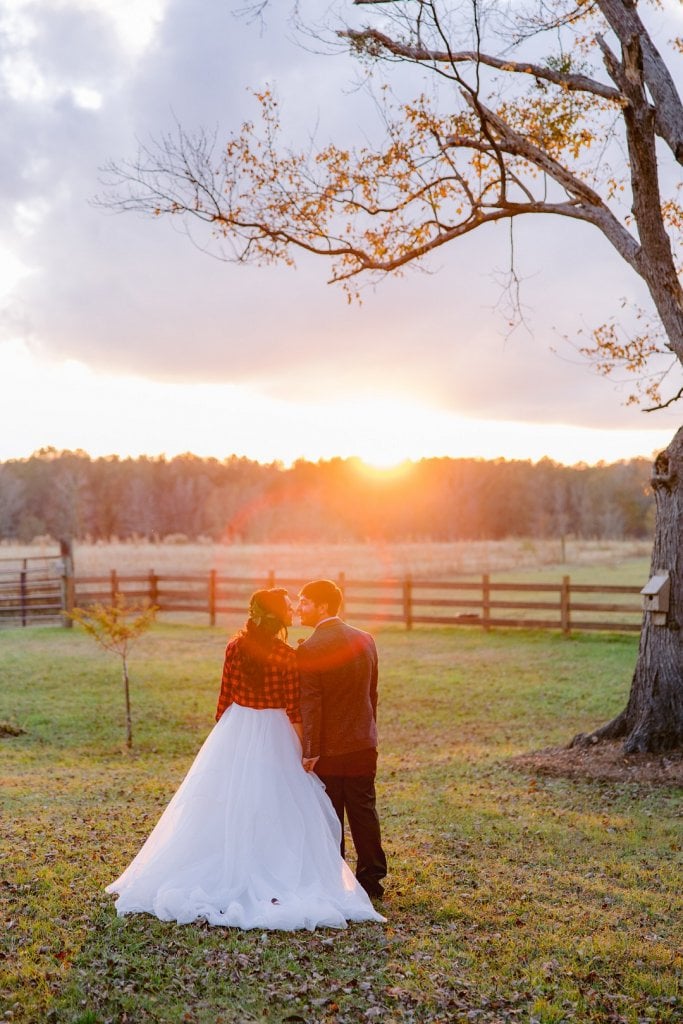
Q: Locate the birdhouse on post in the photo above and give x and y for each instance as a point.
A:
(656, 597)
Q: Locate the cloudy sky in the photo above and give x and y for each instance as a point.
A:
(118, 335)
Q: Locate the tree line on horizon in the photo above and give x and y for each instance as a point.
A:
(69, 494)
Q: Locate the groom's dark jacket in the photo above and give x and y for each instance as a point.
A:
(338, 671)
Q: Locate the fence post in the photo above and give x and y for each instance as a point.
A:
(564, 606)
(486, 601)
(408, 601)
(68, 585)
(113, 585)
(153, 588)
(341, 583)
(212, 597)
(270, 582)
(22, 593)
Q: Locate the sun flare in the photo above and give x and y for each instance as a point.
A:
(384, 467)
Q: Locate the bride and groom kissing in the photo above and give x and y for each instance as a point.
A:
(254, 835)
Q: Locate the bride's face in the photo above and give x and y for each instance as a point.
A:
(290, 611)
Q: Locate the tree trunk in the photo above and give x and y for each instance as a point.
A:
(652, 721)
(129, 721)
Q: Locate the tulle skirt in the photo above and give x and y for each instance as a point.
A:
(250, 840)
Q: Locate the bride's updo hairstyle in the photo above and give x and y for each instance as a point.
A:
(268, 614)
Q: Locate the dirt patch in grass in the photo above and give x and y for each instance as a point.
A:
(605, 762)
(11, 729)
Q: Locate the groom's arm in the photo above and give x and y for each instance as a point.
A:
(374, 675)
(311, 708)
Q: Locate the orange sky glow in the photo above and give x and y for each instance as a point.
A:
(73, 407)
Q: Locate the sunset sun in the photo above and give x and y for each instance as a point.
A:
(384, 467)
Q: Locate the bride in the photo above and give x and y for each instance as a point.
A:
(250, 840)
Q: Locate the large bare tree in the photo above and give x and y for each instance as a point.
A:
(537, 103)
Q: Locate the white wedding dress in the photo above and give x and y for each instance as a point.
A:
(250, 840)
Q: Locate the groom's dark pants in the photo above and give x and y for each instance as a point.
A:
(355, 795)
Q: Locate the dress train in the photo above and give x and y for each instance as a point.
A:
(249, 840)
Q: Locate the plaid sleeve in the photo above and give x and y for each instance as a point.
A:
(225, 697)
(292, 694)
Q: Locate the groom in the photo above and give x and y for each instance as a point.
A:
(338, 670)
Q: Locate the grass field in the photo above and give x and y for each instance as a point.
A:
(510, 898)
(626, 561)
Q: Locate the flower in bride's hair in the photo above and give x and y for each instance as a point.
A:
(257, 613)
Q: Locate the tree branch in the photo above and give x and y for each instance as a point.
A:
(665, 405)
(591, 207)
(477, 219)
(668, 110)
(420, 54)
(659, 269)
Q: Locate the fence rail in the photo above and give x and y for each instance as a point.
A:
(31, 591)
(482, 602)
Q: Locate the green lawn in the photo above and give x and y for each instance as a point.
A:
(627, 572)
(509, 898)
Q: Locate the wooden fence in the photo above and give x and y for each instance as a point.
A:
(479, 601)
(32, 590)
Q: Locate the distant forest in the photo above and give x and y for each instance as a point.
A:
(69, 494)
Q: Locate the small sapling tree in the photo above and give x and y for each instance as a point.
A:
(115, 627)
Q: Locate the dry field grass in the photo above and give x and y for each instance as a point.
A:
(373, 560)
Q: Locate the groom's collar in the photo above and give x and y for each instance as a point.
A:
(330, 618)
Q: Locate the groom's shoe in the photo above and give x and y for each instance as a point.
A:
(375, 892)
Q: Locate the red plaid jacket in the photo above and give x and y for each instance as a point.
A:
(280, 688)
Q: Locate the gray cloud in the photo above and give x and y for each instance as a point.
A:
(133, 295)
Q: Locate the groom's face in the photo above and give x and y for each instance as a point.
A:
(309, 612)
